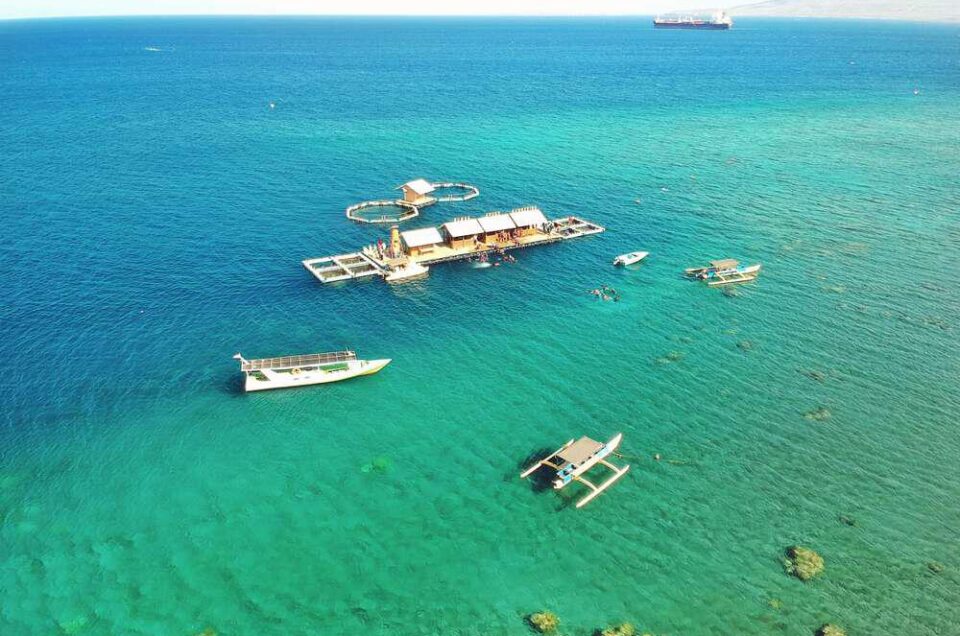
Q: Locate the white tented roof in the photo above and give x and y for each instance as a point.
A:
(528, 217)
(463, 227)
(421, 237)
(420, 186)
(496, 222)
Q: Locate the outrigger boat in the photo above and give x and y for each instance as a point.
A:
(575, 458)
(630, 258)
(314, 368)
(723, 272)
(412, 270)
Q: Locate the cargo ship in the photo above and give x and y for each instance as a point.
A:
(719, 20)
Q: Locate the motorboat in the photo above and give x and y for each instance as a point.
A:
(630, 258)
(404, 273)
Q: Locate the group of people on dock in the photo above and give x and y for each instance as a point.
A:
(605, 292)
(510, 238)
(382, 250)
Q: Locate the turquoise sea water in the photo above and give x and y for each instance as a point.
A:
(155, 211)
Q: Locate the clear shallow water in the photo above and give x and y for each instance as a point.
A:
(155, 212)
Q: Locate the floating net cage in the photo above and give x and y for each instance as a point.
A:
(398, 210)
(381, 212)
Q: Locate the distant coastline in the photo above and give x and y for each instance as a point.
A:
(927, 11)
(944, 11)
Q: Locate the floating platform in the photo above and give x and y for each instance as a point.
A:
(574, 227)
(330, 269)
(457, 240)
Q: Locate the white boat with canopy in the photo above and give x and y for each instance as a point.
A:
(575, 458)
(314, 368)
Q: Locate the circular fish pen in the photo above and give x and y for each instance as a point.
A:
(416, 195)
(376, 211)
(468, 191)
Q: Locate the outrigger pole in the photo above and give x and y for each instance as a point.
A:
(617, 474)
(543, 461)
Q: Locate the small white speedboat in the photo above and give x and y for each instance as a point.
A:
(630, 258)
(412, 270)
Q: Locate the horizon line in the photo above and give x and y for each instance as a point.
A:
(93, 16)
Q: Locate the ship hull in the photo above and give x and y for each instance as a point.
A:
(285, 380)
(681, 25)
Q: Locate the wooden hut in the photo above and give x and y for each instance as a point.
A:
(422, 241)
(462, 232)
(496, 227)
(528, 220)
(417, 191)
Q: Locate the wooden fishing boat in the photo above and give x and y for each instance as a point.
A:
(315, 368)
(575, 458)
(723, 272)
(630, 258)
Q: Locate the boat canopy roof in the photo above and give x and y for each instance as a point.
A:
(295, 362)
(528, 217)
(580, 451)
(463, 227)
(420, 186)
(421, 237)
(725, 263)
(496, 222)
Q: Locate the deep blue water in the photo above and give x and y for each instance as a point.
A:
(155, 212)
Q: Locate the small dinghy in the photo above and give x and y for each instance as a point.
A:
(408, 272)
(630, 258)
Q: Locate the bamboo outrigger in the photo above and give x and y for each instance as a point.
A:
(726, 271)
(575, 458)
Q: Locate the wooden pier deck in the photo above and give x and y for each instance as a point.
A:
(368, 262)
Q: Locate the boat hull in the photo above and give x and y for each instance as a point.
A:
(681, 25)
(289, 379)
(707, 273)
(407, 273)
